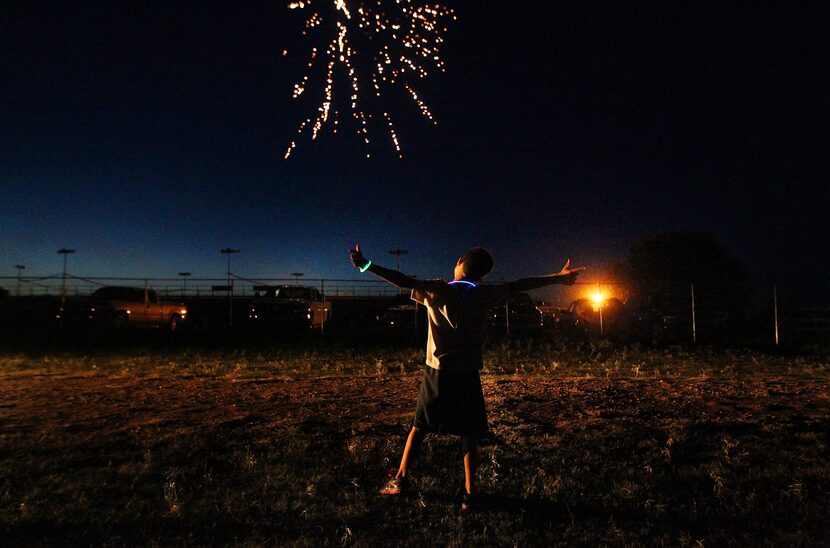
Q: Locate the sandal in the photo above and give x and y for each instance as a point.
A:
(395, 486)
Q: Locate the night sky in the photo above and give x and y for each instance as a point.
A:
(148, 135)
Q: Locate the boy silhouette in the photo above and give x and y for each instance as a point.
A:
(450, 400)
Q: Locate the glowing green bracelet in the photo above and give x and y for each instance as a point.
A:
(366, 267)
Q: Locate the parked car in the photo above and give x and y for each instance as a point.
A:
(120, 307)
(552, 315)
(289, 305)
(29, 314)
(404, 315)
(518, 315)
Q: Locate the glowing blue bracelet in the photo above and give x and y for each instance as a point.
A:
(465, 282)
(366, 267)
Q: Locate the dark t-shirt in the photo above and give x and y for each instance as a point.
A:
(457, 313)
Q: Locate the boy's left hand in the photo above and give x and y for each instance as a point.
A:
(568, 274)
(358, 260)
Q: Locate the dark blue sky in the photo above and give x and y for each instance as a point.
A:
(148, 135)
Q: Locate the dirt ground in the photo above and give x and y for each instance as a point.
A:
(275, 460)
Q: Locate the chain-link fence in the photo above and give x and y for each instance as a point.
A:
(239, 286)
(674, 312)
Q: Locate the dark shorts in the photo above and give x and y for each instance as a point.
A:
(451, 402)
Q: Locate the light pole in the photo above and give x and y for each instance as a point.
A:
(229, 251)
(184, 276)
(20, 269)
(297, 275)
(65, 252)
(397, 253)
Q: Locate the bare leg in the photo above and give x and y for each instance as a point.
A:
(398, 484)
(470, 464)
(410, 450)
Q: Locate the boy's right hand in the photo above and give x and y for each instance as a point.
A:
(568, 275)
(358, 260)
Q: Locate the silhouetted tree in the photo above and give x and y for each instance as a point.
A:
(662, 267)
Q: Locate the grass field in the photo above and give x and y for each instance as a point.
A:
(589, 446)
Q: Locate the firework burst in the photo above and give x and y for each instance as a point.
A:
(383, 46)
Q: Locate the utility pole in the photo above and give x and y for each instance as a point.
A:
(20, 269)
(65, 252)
(184, 276)
(229, 251)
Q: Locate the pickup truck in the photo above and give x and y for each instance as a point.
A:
(289, 305)
(120, 307)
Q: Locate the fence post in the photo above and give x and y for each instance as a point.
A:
(326, 312)
(416, 318)
(775, 311)
(694, 323)
(507, 317)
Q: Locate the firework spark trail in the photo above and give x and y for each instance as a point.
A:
(399, 42)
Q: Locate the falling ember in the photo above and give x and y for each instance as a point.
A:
(393, 135)
(372, 50)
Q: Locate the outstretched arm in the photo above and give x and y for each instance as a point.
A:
(566, 276)
(392, 276)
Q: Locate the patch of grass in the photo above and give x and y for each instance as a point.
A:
(288, 448)
(596, 359)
